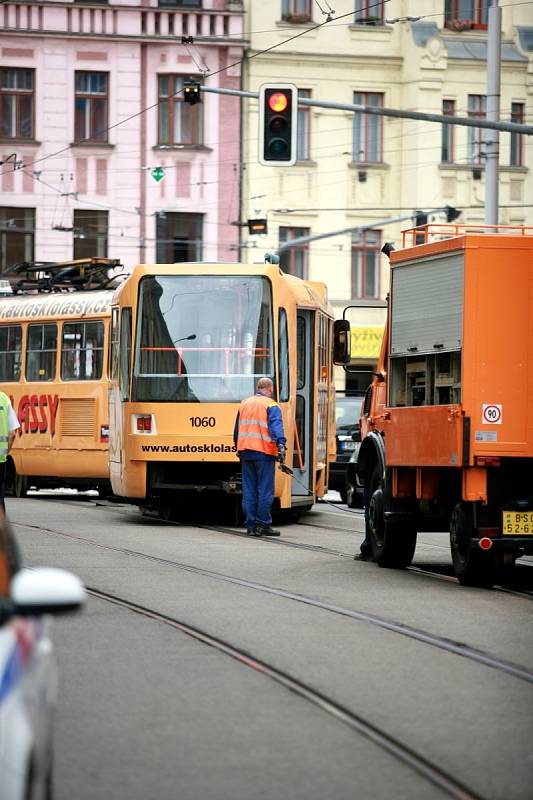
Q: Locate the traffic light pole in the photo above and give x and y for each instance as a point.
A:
(509, 127)
(377, 224)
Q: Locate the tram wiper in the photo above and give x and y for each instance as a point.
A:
(185, 338)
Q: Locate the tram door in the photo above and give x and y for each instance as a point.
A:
(302, 486)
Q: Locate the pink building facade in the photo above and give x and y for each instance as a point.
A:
(91, 105)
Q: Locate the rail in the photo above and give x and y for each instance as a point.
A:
(439, 231)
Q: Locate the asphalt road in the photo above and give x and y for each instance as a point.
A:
(146, 711)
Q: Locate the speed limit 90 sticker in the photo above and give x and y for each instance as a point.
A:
(491, 414)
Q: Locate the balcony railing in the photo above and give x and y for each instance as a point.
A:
(118, 21)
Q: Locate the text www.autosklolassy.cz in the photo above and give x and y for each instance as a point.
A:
(188, 448)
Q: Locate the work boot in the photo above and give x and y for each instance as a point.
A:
(267, 530)
(253, 532)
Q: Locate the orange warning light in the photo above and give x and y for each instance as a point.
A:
(278, 102)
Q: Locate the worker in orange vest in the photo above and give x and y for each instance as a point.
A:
(260, 441)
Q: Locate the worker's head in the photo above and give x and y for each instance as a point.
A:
(265, 386)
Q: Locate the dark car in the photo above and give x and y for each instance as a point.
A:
(347, 411)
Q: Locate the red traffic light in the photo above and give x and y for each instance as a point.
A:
(278, 116)
(278, 102)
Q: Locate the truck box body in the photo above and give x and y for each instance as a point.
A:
(461, 351)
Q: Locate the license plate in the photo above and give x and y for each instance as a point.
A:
(348, 445)
(517, 523)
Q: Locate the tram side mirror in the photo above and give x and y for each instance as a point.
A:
(341, 342)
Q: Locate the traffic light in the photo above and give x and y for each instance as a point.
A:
(257, 226)
(452, 213)
(278, 115)
(191, 92)
(420, 219)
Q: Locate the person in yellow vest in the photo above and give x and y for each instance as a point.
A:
(260, 441)
(9, 425)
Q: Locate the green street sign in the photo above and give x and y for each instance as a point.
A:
(158, 173)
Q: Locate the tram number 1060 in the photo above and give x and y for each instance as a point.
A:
(202, 422)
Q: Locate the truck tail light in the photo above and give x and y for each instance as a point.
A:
(487, 461)
(104, 434)
(492, 533)
(144, 424)
(485, 543)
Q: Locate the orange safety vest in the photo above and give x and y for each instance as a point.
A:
(253, 425)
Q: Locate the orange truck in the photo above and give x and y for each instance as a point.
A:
(447, 424)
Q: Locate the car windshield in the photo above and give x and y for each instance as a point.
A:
(347, 411)
(202, 338)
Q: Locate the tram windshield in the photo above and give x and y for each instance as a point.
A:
(202, 339)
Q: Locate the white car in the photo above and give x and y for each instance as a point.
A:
(28, 679)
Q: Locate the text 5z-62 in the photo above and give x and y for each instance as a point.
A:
(202, 422)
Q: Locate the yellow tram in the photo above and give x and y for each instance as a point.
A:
(54, 332)
(188, 342)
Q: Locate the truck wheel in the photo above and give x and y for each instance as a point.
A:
(393, 545)
(20, 485)
(472, 566)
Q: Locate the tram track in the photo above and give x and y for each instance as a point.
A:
(457, 648)
(524, 593)
(335, 552)
(438, 777)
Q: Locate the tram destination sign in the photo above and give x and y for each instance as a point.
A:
(70, 305)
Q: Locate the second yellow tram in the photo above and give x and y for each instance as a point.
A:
(54, 338)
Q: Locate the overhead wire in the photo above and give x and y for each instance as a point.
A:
(336, 183)
(417, 127)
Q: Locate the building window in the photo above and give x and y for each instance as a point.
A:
(368, 12)
(180, 3)
(90, 113)
(295, 260)
(461, 15)
(41, 352)
(367, 130)
(90, 234)
(296, 10)
(16, 103)
(477, 107)
(179, 122)
(303, 148)
(179, 237)
(17, 231)
(366, 247)
(517, 142)
(82, 351)
(447, 150)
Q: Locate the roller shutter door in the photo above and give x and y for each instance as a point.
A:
(427, 306)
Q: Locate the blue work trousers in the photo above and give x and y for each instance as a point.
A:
(257, 491)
